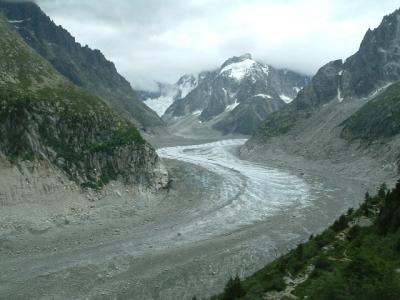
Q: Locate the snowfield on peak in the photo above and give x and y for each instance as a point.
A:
(160, 105)
(250, 88)
(187, 86)
(285, 98)
(179, 90)
(239, 70)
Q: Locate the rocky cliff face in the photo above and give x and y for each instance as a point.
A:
(44, 117)
(375, 66)
(83, 66)
(322, 88)
(377, 62)
(239, 95)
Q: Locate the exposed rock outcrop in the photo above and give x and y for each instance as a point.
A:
(362, 76)
(238, 96)
(45, 117)
(83, 66)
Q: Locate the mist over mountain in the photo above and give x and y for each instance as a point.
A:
(238, 96)
(85, 67)
(185, 37)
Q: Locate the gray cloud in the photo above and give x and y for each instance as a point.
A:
(161, 40)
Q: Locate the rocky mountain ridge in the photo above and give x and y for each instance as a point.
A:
(375, 66)
(238, 96)
(83, 66)
(44, 117)
(348, 113)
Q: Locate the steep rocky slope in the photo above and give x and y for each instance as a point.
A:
(363, 75)
(347, 111)
(46, 118)
(83, 66)
(238, 96)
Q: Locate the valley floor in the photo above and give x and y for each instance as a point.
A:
(222, 216)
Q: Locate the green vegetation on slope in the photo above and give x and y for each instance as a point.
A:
(20, 65)
(378, 119)
(358, 257)
(45, 117)
(84, 67)
(69, 126)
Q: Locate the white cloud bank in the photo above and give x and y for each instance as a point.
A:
(164, 39)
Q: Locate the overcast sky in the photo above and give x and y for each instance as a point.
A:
(163, 39)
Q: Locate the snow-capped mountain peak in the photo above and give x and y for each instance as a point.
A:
(238, 70)
(238, 96)
(240, 67)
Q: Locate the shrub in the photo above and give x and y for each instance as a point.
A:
(322, 263)
(233, 289)
(353, 232)
(340, 224)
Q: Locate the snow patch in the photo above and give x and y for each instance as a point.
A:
(160, 105)
(263, 96)
(187, 86)
(381, 50)
(374, 93)
(197, 112)
(340, 73)
(297, 89)
(17, 21)
(239, 70)
(265, 69)
(232, 106)
(285, 98)
(340, 97)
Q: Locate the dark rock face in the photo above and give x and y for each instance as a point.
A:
(322, 88)
(248, 116)
(378, 60)
(85, 67)
(241, 94)
(376, 64)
